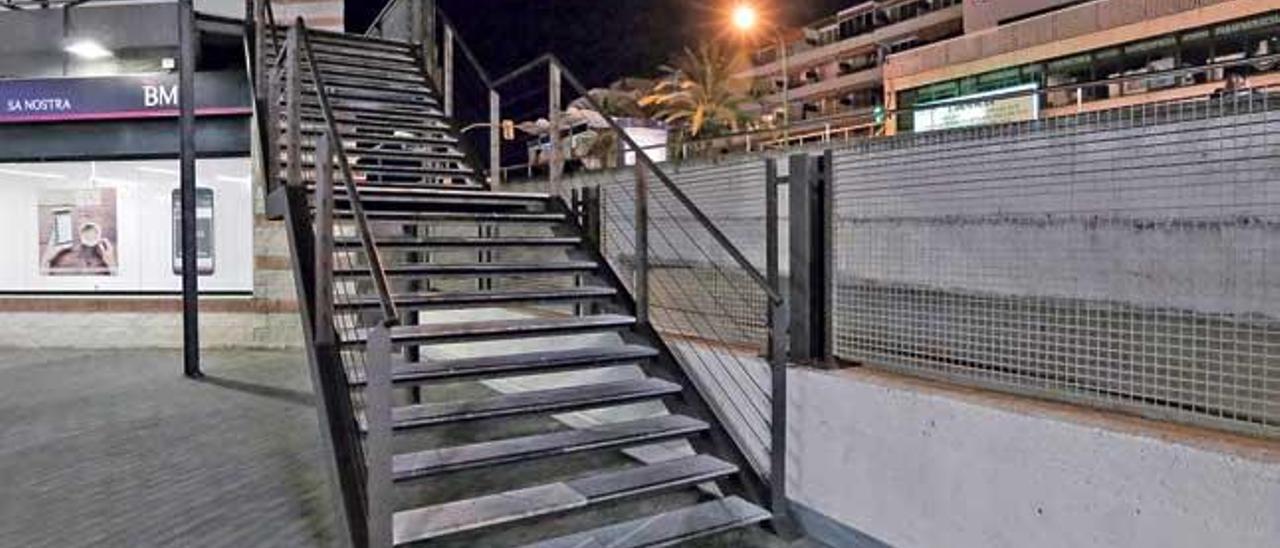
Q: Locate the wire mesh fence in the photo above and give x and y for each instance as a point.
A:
(710, 312)
(1125, 258)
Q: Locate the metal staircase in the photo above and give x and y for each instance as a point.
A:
(483, 379)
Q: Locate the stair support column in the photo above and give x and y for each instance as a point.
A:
(380, 498)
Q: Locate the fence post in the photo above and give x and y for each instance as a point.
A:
(495, 138)
(641, 281)
(380, 503)
(810, 257)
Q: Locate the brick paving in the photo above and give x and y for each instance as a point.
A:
(115, 448)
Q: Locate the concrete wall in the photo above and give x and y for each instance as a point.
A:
(915, 465)
(984, 14)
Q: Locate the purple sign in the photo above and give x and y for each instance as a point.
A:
(112, 98)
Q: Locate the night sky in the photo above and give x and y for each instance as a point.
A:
(601, 40)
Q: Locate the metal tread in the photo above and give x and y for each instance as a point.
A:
(519, 363)
(374, 190)
(666, 529)
(340, 83)
(376, 169)
(534, 401)
(481, 330)
(439, 137)
(423, 155)
(476, 269)
(482, 298)
(449, 518)
(408, 466)
(464, 241)
(378, 95)
(385, 123)
(459, 216)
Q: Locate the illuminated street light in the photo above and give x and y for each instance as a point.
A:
(746, 18)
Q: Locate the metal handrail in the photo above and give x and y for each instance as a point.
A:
(374, 259)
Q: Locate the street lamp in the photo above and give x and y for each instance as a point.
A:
(746, 18)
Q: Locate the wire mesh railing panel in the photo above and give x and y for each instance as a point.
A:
(710, 313)
(1127, 258)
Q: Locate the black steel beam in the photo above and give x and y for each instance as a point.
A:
(187, 41)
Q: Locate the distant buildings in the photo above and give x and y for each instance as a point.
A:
(938, 64)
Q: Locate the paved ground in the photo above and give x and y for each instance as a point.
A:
(115, 448)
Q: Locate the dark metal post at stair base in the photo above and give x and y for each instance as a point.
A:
(381, 499)
(333, 404)
(777, 354)
(187, 144)
(641, 281)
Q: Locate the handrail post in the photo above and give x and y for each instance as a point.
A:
(448, 70)
(554, 105)
(777, 355)
(495, 138)
(378, 487)
(293, 88)
(641, 281)
(324, 242)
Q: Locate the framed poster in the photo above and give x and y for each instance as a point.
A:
(204, 231)
(77, 232)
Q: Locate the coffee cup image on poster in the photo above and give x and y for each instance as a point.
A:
(78, 233)
(204, 231)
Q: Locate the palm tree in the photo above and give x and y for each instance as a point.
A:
(700, 92)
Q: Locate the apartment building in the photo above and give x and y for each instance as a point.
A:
(1026, 59)
(834, 65)
(939, 64)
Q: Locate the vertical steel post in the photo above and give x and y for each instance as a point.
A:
(495, 138)
(293, 91)
(801, 204)
(777, 354)
(448, 71)
(380, 504)
(187, 39)
(554, 105)
(324, 333)
(641, 282)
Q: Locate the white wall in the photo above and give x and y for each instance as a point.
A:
(914, 466)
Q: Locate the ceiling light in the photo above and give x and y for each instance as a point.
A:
(88, 49)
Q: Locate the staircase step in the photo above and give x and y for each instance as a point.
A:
(420, 155)
(384, 196)
(464, 242)
(454, 299)
(346, 106)
(460, 216)
(378, 95)
(477, 269)
(667, 529)
(466, 515)
(370, 86)
(366, 122)
(487, 330)
(375, 169)
(355, 70)
(317, 36)
(536, 401)
(520, 363)
(399, 65)
(409, 466)
(437, 137)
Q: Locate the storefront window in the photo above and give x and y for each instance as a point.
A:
(110, 226)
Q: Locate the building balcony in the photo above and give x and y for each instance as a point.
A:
(823, 54)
